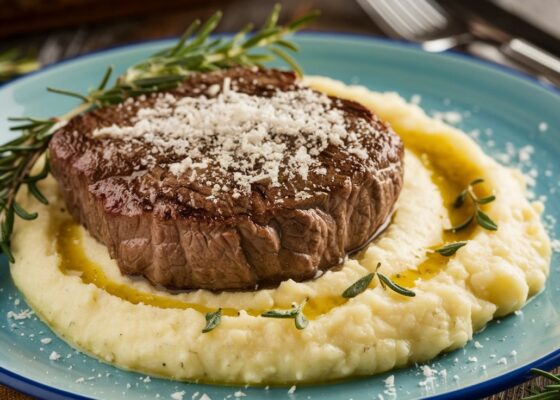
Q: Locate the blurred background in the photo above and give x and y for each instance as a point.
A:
(36, 33)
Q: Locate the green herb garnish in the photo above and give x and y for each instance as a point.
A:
(359, 286)
(388, 283)
(451, 248)
(13, 63)
(547, 392)
(194, 52)
(213, 319)
(295, 313)
(362, 284)
(477, 215)
(300, 321)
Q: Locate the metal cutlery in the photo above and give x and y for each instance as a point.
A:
(435, 29)
(420, 21)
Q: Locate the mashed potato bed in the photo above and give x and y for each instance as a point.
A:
(376, 331)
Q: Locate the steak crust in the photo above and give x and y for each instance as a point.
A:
(174, 228)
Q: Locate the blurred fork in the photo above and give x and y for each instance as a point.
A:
(426, 22)
(422, 21)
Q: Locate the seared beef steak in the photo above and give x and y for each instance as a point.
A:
(236, 178)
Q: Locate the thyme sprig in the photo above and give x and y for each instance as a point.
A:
(296, 313)
(477, 215)
(13, 63)
(195, 51)
(547, 392)
(362, 284)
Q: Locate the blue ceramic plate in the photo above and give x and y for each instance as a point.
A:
(503, 110)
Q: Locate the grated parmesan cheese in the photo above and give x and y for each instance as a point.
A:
(450, 117)
(178, 395)
(25, 314)
(234, 139)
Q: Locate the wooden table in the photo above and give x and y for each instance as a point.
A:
(342, 16)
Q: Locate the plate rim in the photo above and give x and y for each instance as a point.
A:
(35, 388)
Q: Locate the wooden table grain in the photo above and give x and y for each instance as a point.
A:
(340, 16)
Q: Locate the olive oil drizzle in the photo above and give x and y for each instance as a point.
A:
(434, 262)
(74, 261)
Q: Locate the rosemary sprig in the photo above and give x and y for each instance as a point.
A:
(295, 313)
(17, 157)
(362, 284)
(213, 319)
(194, 52)
(13, 63)
(547, 392)
(477, 215)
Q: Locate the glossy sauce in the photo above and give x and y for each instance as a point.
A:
(434, 262)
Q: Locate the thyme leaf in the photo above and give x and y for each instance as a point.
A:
(213, 319)
(476, 181)
(451, 248)
(394, 286)
(460, 200)
(486, 200)
(481, 218)
(484, 220)
(359, 286)
(165, 70)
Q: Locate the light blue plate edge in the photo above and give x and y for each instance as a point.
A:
(482, 389)
(311, 34)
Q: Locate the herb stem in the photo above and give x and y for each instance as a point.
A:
(69, 93)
